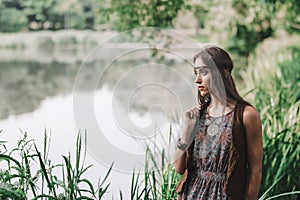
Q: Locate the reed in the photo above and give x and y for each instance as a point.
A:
(18, 180)
(274, 84)
(159, 178)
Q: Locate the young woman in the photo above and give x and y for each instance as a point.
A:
(220, 151)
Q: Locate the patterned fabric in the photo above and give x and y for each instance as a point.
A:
(206, 180)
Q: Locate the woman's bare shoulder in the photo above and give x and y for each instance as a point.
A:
(250, 116)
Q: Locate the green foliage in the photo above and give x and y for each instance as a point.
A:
(138, 13)
(159, 179)
(75, 19)
(256, 20)
(12, 20)
(287, 12)
(200, 11)
(158, 182)
(253, 23)
(16, 15)
(276, 95)
(18, 180)
(40, 12)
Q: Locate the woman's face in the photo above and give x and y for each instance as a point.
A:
(203, 77)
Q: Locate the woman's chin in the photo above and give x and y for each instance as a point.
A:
(204, 94)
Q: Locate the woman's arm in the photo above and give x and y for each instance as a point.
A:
(190, 118)
(180, 161)
(253, 128)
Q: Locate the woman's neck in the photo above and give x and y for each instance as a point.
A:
(216, 103)
(216, 107)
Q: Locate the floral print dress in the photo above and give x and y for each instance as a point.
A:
(207, 172)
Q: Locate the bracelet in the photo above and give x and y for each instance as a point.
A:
(181, 145)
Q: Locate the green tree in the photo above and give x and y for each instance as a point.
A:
(200, 11)
(257, 20)
(11, 17)
(132, 14)
(12, 20)
(42, 14)
(18, 15)
(88, 14)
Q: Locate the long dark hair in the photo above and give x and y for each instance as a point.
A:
(222, 84)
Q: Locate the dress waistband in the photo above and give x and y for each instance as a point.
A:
(215, 176)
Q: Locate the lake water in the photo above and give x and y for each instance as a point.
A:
(124, 105)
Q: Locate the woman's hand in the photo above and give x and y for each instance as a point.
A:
(190, 119)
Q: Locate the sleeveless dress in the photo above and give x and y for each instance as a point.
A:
(209, 162)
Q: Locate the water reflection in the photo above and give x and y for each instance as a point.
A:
(25, 84)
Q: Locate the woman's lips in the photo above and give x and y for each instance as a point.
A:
(201, 88)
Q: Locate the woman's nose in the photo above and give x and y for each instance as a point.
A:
(198, 79)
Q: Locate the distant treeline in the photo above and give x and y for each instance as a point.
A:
(20, 15)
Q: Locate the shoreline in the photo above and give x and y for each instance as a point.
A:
(71, 46)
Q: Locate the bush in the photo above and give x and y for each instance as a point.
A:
(12, 20)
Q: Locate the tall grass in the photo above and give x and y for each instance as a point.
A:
(275, 92)
(159, 179)
(158, 182)
(18, 180)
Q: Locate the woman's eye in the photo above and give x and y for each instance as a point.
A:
(204, 72)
